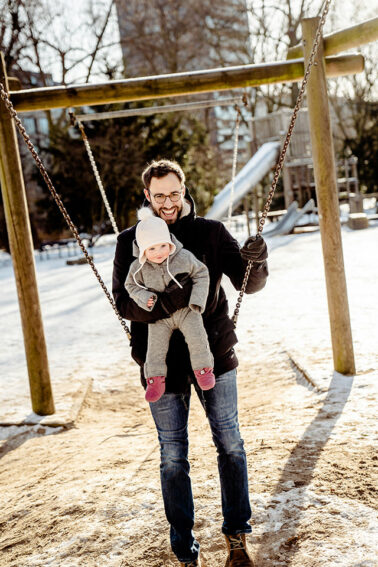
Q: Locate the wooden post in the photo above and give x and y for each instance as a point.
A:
(328, 205)
(21, 245)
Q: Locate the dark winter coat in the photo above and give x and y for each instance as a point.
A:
(213, 245)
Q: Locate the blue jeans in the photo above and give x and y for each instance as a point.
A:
(170, 414)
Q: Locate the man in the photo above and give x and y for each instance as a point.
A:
(211, 243)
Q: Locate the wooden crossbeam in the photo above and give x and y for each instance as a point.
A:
(342, 40)
(177, 84)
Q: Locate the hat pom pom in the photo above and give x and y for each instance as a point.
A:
(145, 213)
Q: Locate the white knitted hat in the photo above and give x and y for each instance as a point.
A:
(150, 231)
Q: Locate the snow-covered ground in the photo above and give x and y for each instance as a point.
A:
(307, 512)
(85, 340)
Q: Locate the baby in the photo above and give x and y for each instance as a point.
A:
(161, 257)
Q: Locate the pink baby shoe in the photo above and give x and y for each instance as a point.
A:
(155, 388)
(205, 378)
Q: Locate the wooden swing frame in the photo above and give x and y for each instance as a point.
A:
(14, 196)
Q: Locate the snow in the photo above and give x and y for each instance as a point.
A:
(290, 316)
(85, 340)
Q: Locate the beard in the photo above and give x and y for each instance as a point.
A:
(169, 219)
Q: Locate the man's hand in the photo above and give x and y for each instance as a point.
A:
(174, 297)
(254, 249)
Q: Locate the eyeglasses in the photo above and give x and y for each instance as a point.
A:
(160, 198)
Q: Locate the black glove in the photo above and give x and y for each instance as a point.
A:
(254, 249)
(174, 298)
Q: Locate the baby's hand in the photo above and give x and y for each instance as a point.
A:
(151, 301)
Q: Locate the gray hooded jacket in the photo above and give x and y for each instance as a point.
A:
(145, 279)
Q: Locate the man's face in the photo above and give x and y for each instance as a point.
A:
(166, 196)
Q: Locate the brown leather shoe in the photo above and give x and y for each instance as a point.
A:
(238, 555)
(196, 563)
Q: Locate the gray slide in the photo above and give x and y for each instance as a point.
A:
(286, 224)
(258, 166)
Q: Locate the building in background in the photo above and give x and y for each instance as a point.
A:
(36, 122)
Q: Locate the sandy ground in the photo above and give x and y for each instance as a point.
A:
(90, 495)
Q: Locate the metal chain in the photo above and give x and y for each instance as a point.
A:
(283, 151)
(4, 96)
(95, 171)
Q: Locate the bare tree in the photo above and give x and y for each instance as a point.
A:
(274, 27)
(39, 38)
(42, 47)
(354, 104)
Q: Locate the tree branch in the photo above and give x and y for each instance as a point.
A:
(99, 39)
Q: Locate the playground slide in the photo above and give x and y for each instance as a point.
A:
(286, 224)
(258, 166)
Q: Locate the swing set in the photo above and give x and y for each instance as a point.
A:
(78, 119)
(315, 50)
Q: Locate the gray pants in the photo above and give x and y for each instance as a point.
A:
(191, 325)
